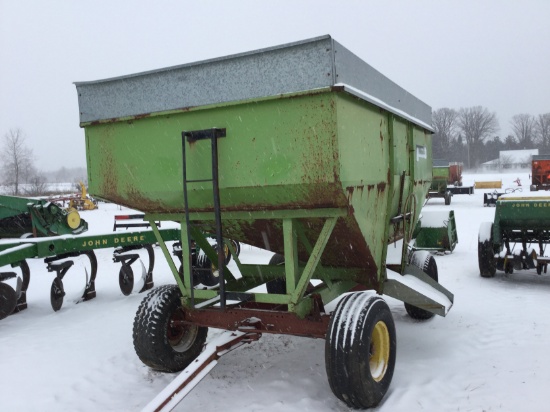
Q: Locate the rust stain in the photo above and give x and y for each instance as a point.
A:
(138, 116)
(381, 187)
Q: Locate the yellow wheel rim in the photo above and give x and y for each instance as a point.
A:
(73, 219)
(215, 265)
(379, 355)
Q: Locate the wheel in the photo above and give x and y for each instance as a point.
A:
(448, 198)
(196, 279)
(539, 269)
(126, 279)
(509, 266)
(360, 329)
(237, 246)
(485, 251)
(57, 292)
(424, 260)
(225, 253)
(8, 300)
(276, 286)
(158, 342)
(205, 272)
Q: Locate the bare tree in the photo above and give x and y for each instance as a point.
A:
(16, 159)
(476, 124)
(542, 129)
(37, 186)
(505, 161)
(523, 126)
(444, 122)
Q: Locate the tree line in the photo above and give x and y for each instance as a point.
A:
(469, 135)
(19, 174)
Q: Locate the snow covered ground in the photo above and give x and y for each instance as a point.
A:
(489, 353)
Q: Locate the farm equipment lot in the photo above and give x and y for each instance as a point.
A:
(489, 353)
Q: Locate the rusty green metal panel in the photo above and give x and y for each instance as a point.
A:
(325, 149)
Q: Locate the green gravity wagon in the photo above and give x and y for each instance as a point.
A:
(302, 149)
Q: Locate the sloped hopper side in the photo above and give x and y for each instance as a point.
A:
(314, 150)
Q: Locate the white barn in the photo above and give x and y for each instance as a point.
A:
(511, 159)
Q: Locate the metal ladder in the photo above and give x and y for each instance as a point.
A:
(192, 137)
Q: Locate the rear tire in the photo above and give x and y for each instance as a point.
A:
(360, 350)
(425, 261)
(276, 286)
(485, 252)
(157, 341)
(8, 300)
(448, 198)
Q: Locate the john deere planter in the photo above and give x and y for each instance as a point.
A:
(301, 149)
(518, 237)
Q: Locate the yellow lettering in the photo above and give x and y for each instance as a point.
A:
(116, 240)
(142, 237)
(104, 241)
(84, 244)
(135, 238)
(98, 242)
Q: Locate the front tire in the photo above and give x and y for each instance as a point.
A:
(360, 350)
(276, 286)
(158, 342)
(425, 261)
(485, 252)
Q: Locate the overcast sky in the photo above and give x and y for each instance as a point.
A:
(492, 53)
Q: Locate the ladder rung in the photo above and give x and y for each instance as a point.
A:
(198, 180)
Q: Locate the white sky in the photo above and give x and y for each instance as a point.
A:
(493, 53)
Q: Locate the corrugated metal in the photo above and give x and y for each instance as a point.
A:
(305, 65)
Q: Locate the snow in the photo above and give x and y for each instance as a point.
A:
(436, 218)
(489, 353)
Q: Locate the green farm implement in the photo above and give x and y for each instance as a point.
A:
(439, 187)
(34, 228)
(301, 149)
(24, 217)
(58, 254)
(435, 231)
(518, 237)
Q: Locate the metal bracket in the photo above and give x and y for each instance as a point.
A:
(214, 133)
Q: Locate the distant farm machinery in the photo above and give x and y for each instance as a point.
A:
(540, 173)
(26, 217)
(517, 238)
(447, 181)
(80, 201)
